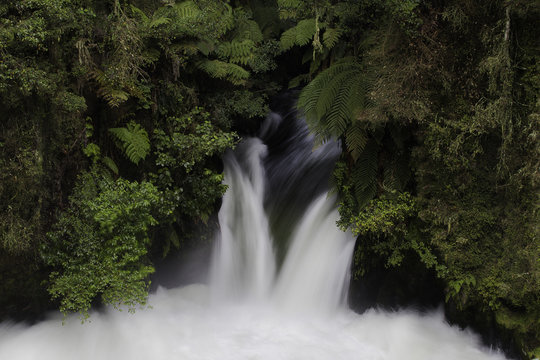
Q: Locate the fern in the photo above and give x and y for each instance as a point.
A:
(332, 99)
(301, 34)
(106, 90)
(298, 80)
(289, 8)
(157, 21)
(133, 141)
(110, 164)
(331, 37)
(248, 29)
(237, 52)
(186, 9)
(397, 170)
(355, 140)
(114, 97)
(289, 3)
(205, 46)
(224, 70)
(364, 176)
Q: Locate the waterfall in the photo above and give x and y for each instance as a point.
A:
(278, 280)
(315, 268)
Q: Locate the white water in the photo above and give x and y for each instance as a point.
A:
(250, 309)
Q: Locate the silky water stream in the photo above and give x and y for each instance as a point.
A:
(277, 282)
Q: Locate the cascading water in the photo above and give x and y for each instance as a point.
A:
(277, 283)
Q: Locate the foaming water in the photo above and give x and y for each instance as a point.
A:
(257, 305)
(182, 324)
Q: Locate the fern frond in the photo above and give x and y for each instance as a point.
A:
(184, 48)
(337, 116)
(397, 171)
(364, 174)
(288, 8)
(355, 140)
(298, 80)
(248, 30)
(186, 9)
(331, 37)
(224, 70)
(336, 90)
(331, 99)
(133, 141)
(158, 20)
(301, 34)
(114, 97)
(205, 47)
(267, 18)
(237, 52)
(106, 90)
(289, 3)
(110, 164)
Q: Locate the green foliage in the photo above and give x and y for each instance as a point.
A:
(99, 242)
(240, 105)
(333, 99)
(133, 141)
(239, 52)
(301, 34)
(20, 183)
(331, 37)
(384, 216)
(405, 13)
(436, 105)
(69, 72)
(224, 70)
(185, 174)
(463, 86)
(181, 153)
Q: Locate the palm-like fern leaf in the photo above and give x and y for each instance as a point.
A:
(186, 9)
(331, 37)
(239, 52)
(332, 99)
(355, 139)
(133, 141)
(289, 8)
(248, 29)
(301, 34)
(364, 176)
(158, 20)
(224, 70)
(110, 164)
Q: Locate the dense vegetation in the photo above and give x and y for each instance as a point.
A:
(114, 114)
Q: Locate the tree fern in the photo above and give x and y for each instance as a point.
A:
(110, 164)
(301, 34)
(224, 70)
(239, 52)
(133, 140)
(364, 175)
(247, 29)
(298, 80)
(331, 37)
(289, 8)
(355, 139)
(186, 9)
(332, 99)
(158, 20)
(106, 90)
(397, 170)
